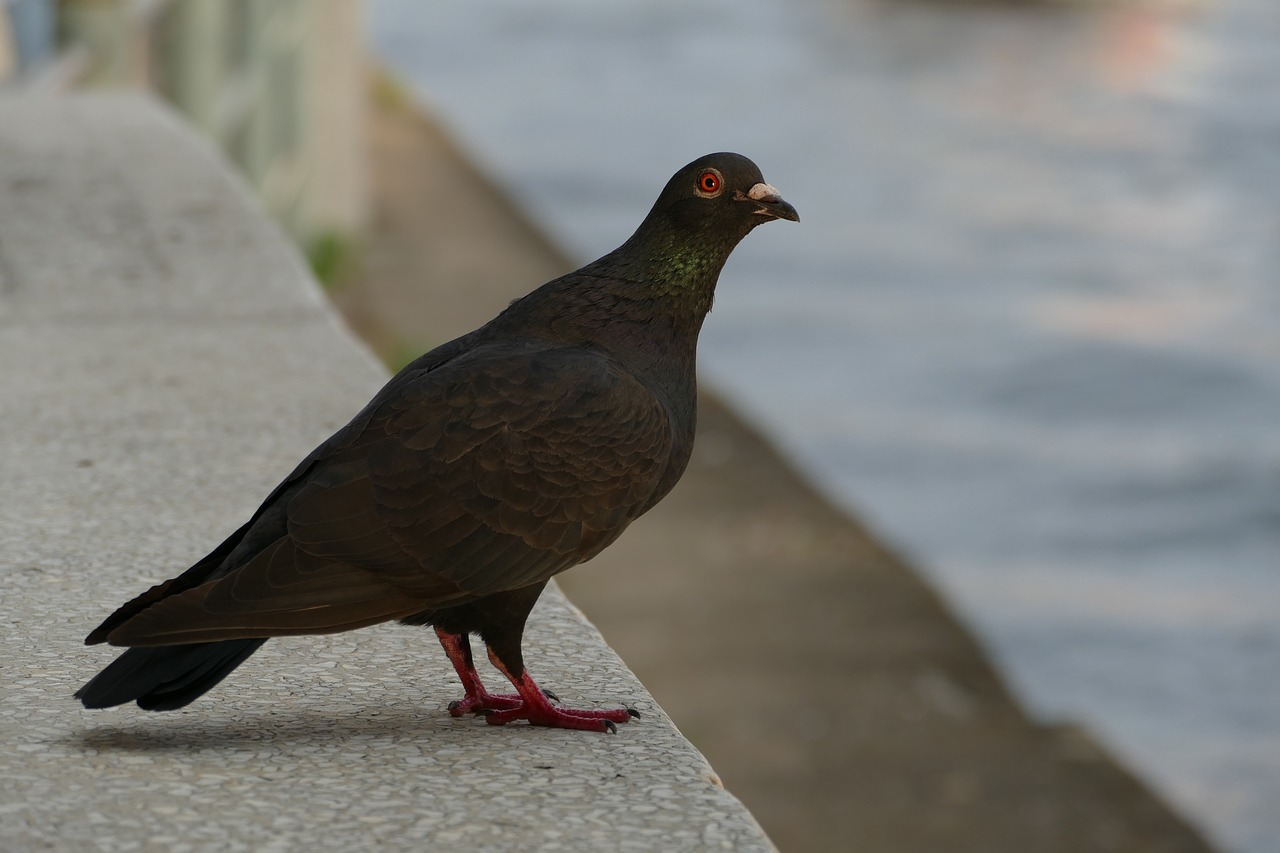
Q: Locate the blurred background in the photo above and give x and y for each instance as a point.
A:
(1028, 329)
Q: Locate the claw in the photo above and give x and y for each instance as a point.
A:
(632, 711)
(610, 727)
(553, 697)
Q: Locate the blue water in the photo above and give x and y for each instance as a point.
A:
(1029, 326)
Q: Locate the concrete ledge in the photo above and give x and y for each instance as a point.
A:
(164, 360)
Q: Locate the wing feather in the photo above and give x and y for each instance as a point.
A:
(494, 471)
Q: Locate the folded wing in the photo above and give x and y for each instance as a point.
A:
(495, 471)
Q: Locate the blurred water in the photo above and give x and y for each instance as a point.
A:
(1029, 325)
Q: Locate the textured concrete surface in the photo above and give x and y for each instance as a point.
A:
(164, 360)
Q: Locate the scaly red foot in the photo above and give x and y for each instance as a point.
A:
(532, 703)
(484, 702)
(535, 708)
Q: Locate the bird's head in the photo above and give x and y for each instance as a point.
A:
(723, 193)
(702, 213)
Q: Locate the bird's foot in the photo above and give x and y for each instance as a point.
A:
(591, 720)
(483, 702)
(543, 713)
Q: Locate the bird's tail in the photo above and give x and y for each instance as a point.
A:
(162, 678)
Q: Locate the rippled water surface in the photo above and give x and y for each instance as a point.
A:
(1029, 326)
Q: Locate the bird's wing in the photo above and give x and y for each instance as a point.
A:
(495, 471)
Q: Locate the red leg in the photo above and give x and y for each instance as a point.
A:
(477, 700)
(535, 708)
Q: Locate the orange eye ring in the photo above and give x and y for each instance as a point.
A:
(709, 182)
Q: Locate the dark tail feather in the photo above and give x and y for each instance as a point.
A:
(162, 678)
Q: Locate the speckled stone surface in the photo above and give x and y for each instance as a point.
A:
(164, 361)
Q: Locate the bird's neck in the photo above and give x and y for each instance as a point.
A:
(671, 270)
(649, 323)
(644, 303)
(644, 307)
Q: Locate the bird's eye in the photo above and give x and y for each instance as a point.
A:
(709, 182)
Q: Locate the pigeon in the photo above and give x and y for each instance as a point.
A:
(477, 473)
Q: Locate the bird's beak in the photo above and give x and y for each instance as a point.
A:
(769, 203)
